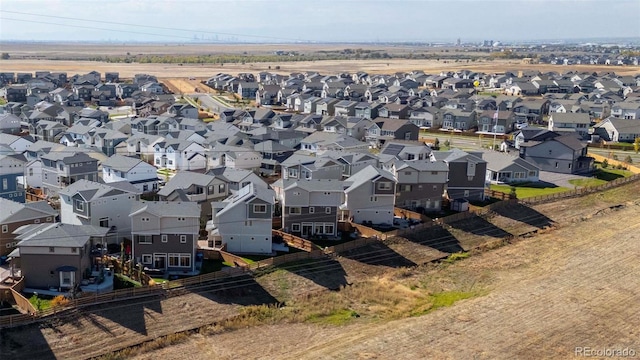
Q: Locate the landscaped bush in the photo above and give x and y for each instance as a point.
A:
(59, 301)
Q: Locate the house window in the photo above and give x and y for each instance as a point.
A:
(556, 165)
(518, 175)
(79, 205)
(328, 229)
(183, 239)
(295, 227)
(295, 210)
(405, 188)
(52, 249)
(145, 239)
(144, 219)
(408, 172)
(185, 260)
(104, 222)
(180, 260)
(30, 171)
(374, 198)
(5, 229)
(384, 185)
(312, 210)
(74, 250)
(5, 184)
(248, 223)
(327, 210)
(293, 173)
(174, 260)
(466, 193)
(164, 238)
(181, 219)
(146, 259)
(260, 208)
(221, 188)
(36, 221)
(532, 173)
(157, 161)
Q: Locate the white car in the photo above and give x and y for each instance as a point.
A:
(521, 125)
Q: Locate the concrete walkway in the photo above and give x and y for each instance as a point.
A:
(561, 180)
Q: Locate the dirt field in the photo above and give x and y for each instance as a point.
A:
(202, 72)
(537, 298)
(576, 287)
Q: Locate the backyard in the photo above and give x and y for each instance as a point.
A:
(529, 189)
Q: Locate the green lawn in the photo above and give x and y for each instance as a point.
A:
(587, 182)
(527, 190)
(609, 174)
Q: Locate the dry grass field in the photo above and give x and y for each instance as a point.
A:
(539, 297)
(30, 57)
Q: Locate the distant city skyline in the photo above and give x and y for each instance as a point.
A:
(317, 21)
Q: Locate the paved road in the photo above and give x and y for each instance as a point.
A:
(207, 101)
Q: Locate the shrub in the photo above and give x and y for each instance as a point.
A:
(605, 164)
(59, 301)
(628, 159)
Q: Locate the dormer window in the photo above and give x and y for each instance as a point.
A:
(384, 185)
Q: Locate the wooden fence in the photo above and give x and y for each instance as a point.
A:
(295, 241)
(580, 192)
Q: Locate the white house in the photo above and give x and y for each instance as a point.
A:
(242, 222)
(235, 157)
(105, 205)
(132, 170)
(18, 144)
(369, 196)
(179, 155)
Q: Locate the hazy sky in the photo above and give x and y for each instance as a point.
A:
(317, 20)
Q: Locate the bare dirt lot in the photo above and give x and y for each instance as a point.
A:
(547, 295)
(537, 298)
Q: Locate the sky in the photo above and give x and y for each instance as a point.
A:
(317, 20)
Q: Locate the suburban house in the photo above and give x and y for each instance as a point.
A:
(237, 178)
(105, 205)
(369, 197)
(19, 144)
(561, 154)
(311, 207)
(321, 141)
(132, 170)
(15, 215)
(421, 184)
(531, 110)
(626, 110)
(165, 235)
(242, 222)
(579, 122)
(458, 119)
(301, 166)
(60, 169)
(57, 257)
(179, 155)
(467, 172)
(195, 187)
(11, 177)
(237, 157)
(9, 124)
(506, 168)
(617, 130)
(382, 130)
(499, 122)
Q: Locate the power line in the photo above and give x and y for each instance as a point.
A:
(138, 25)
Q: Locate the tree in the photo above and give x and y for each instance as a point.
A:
(636, 145)
(4, 56)
(436, 143)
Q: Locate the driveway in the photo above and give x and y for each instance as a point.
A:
(560, 179)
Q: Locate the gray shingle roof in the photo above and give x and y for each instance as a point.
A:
(90, 190)
(167, 208)
(183, 180)
(365, 175)
(14, 212)
(57, 234)
(121, 162)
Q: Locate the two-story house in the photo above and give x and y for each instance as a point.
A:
(165, 235)
(11, 177)
(301, 166)
(14, 215)
(242, 222)
(369, 197)
(562, 154)
(311, 207)
(195, 187)
(179, 155)
(105, 205)
(499, 122)
(579, 122)
(56, 257)
(467, 172)
(136, 172)
(382, 130)
(617, 130)
(60, 169)
(458, 119)
(421, 184)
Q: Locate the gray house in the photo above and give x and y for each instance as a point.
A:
(54, 256)
(165, 235)
(14, 215)
(562, 154)
(311, 207)
(421, 184)
(60, 169)
(467, 172)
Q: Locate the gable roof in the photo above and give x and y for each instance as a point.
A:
(167, 208)
(121, 163)
(57, 235)
(90, 190)
(184, 180)
(497, 161)
(15, 212)
(367, 174)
